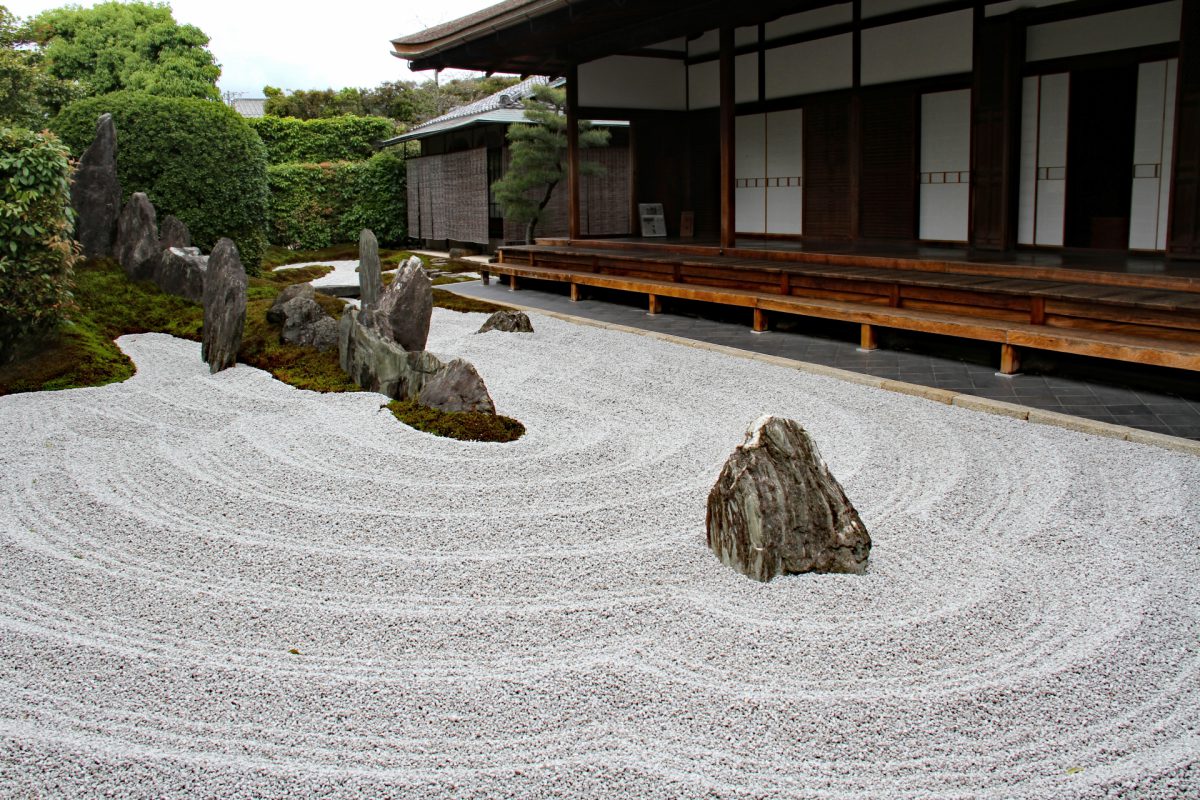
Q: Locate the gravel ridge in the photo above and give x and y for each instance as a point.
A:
(543, 619)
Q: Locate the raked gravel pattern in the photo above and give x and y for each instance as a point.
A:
(543, 619)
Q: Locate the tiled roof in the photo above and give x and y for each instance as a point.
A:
(503, 106)
(447, 28)
(249, 106)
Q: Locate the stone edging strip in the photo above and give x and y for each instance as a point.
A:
(967, 401)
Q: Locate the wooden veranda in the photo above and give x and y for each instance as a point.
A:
(1127, 308)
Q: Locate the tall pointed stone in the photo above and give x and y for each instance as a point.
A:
(224, 306)
(96, 192)
(369, 277)
(405, 308)
(776, 509)
(137, 238)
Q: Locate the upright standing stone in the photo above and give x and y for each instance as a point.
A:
(224, 306)
(137, 238)
(405, 308)
(369, 278)
(173, 233)
(96, 192)
(776, 508)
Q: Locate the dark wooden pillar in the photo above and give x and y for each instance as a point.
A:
(1183, 239)
(855, 163)
(728, 145)
(996, 131)
(573, 152)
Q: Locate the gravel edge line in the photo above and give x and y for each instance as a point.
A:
(966, 401)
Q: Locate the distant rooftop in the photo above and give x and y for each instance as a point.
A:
(504, 106)
(251, 107)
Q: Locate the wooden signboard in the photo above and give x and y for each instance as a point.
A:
(687, 224)
(654, 223)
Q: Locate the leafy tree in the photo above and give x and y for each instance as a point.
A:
(28, 94)
(115, 46)
(403, 101)
(36, 221)
(539, 155)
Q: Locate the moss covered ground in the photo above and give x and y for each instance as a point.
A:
(107, 305)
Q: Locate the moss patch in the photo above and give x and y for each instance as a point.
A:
(468, 426)
(465, 305)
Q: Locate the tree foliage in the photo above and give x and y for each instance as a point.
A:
(404, 101)
(28, 93)
(539, 157)
(36, 251)
(196, 159)
(291, 140)
(316, 205)
(115, 46)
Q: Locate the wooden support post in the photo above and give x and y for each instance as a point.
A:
(894, 295)
(728, 146)
(867, 339)
(573, 226)
(1010, 360)
(655, 305)
(486, 276)
(574, 292)
(512, 283)
(760, 320)
(785, 283)
(1037, 310)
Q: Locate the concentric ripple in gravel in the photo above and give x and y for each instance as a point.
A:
(223, 586)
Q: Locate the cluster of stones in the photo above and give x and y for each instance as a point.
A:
(381, 345)
(776, 509)
(164, 257)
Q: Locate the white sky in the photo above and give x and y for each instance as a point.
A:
(301, 45)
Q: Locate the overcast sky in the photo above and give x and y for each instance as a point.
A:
(300, 45)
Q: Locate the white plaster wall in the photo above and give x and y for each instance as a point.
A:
(705, 44)
(817, 66)
(921, 48)
(1052, 159)
(1027, 191)
(1152, 155)
(1117, 30)
(704, 85)
(875, 8)
(745, 78)
(750, 165)
(809, 21)
(785, 171)
(945, 190)
(633, 82)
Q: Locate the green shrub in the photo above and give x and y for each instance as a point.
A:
(36, 251)
(290, 140)
(196, 159)
(314, 206)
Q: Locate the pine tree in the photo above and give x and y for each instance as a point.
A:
(538, 153)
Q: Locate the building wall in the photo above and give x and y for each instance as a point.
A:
(603, 200)
(906, 108)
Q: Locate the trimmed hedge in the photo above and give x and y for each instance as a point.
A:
(36, 222)
(290, 140)
(196, 159)
(316, 205)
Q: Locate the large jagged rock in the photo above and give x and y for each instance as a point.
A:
(181, 272)
(404, 309)
(776, 508)
(137, 238)
(458, 387)
(96, 192)
(381, 365)
(224, 306)
(275, 312)
(304, 321)
(369, 274)
(507, 321)
(173, 233)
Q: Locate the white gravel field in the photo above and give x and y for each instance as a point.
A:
(542, 619)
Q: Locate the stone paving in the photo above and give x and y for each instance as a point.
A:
(1157, 400)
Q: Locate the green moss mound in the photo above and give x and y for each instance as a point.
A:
(196, 159)
(468, 426)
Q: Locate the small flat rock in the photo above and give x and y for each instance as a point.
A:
(137, 238)
(458, 387)
(776, 509)
(404, 309)
(224, 306)
(369, 275)
(96, 192)
(508, 321)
